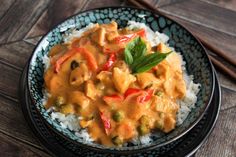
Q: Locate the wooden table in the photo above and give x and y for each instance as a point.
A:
(23, 22)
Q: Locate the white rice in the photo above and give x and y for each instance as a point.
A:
(186, 104)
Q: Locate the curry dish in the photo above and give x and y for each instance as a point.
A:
(118, 84)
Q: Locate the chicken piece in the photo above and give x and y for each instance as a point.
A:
(68, 109)
(106, 78)
(79, 75)
(99, 36)
(169, 123)
(126, 130)
(163, 70)
(122, 79)
(147, 79)
(110, 27)
(164, 104)
(90, 90)
(78, 98)
(163, 48)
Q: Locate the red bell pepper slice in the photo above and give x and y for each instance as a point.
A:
(62, 59)
(128, 37)
(130, 91)
(145, 96)
(111, 99)
(88, 56)
(106, 122)
(110, 62)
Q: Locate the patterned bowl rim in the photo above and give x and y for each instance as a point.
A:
(143, 148)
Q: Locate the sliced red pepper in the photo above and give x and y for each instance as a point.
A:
(128, 37)
(145, 96)
(62, 59)
(88, 56)
(106, 122)
(111, 99)
(111, 60)
(130, 91)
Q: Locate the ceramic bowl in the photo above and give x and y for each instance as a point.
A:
(194, 54)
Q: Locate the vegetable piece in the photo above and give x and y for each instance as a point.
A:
(143, 129)
(74, 64)
(117, 140)
(159, 124)
(136, 58)
(122, 79)
(118, 116)
(90, 90)
(131, 91)
(128, 37)
(145, 96)
(134, 50)
(110, 62)
(60, 101)
(112, 99)
(106, 122)
(88, 56)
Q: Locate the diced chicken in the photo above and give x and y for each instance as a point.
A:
(122, 79)
(79, 75)
(110, 27)
(99, 36)
(68, 109)
(126, 130)
(78, 98)
(147, 79)
(169, 123)
(106, 78)
(90, 90)
(165, 105)
(163, 48)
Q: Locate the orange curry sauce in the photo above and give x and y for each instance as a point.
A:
(88, 77)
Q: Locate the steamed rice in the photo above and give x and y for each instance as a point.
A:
(71, 122)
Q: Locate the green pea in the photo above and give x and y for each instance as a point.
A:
(118, 116)
(117, 140)
(143, 129)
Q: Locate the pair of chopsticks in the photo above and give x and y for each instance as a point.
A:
(145, 5)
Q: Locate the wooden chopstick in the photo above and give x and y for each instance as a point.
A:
(145, 5)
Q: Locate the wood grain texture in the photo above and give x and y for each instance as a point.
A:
(5, 5)
(205, 14)
(9, 81)
(228, 4)
(222, 141)
(20, 50)
(57, 11)
(19, 19)
(12, 148)
(161, 3)
(102, 3)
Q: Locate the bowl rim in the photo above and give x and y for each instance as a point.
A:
(143, 148)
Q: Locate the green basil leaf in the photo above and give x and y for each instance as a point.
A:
(134, 50)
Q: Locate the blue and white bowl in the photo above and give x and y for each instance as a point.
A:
(194, 54)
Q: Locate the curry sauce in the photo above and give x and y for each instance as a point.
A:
(89, 77)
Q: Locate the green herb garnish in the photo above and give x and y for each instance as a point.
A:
(136, 58)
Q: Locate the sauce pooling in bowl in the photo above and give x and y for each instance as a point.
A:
(118, 84)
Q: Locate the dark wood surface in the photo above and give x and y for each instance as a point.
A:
(23, 22)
